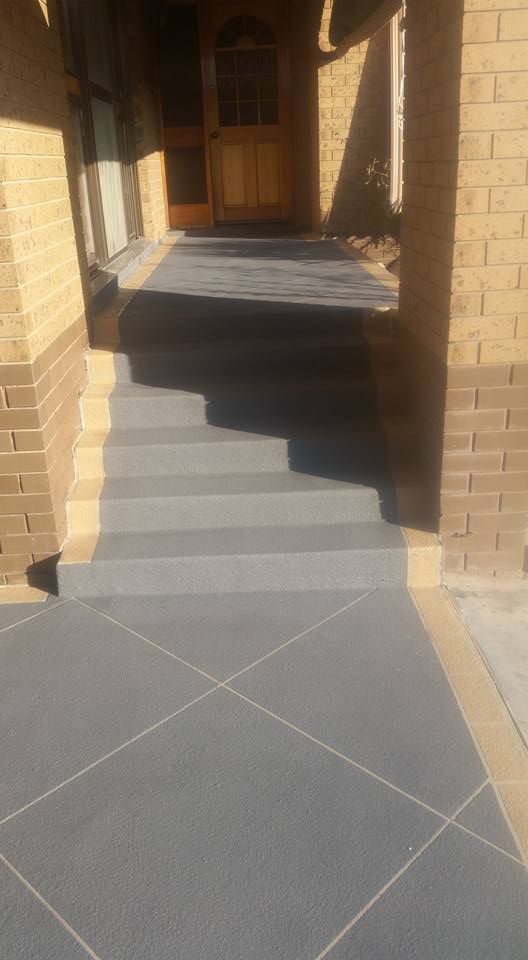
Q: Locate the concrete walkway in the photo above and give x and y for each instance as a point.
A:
(266, 776)
(213, 774)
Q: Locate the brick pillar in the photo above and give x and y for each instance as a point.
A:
(43, 329)
(145, 105)
(354, 128)
(464, 276)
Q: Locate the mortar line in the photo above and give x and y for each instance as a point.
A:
(451, 821)
(45, 903)
(375, 776)
(33, 616)
(106, 756)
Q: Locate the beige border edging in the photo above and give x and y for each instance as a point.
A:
(499, 742)
(83, 507)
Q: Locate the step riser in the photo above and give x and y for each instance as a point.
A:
(339, 570)
(174, 327)
(248, 510)
(178, 368)
(266, 456)
(240, 414)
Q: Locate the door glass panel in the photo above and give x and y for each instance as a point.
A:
(109, 171)
(247, 75)
(248, 113)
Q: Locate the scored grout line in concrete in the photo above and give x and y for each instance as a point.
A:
(45, 903)
(209, 676)
(224, 685)
(397, 876)
(303, 633)
(107, 756)
(54, 606)
(152, 643)
(375, 776)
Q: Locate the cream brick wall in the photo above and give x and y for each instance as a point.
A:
(43, 329)
(353, 130)
(464, 291)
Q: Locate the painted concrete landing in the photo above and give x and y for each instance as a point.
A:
(244, 777)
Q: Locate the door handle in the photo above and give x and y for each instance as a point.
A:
(215, 135)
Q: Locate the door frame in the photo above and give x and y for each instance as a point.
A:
(209, 28)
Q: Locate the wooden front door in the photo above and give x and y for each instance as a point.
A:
(247, 100)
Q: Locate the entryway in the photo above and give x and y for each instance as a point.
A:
(225, 108)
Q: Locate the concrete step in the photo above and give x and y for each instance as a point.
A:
(244, 560)
(214, 502)
(346, 452)
(328, 356)
(245, 404)
(154, 317)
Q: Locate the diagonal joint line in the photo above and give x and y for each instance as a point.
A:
(54, 913)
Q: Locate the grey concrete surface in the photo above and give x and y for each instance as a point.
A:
(153, 814)
(496, 614)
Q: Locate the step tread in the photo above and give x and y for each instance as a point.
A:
(372, 535)
(221, 485)
(344, 431)
(251, 387)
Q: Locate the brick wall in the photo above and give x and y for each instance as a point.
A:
(144, 86)
(354, 130)
(43, 330)
(464, 276)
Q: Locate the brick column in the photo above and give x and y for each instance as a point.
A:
(43, 329)
(144, 92)
(464, 296)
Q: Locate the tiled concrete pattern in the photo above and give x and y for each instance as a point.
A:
(327, 800)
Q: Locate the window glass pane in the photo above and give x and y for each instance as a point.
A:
(227, 114)
(268, 87)
(227, 88)
(186, 177)
(225, 64)
(109, 170)
(269, 111)
(68, 50)
(248, 113)
(247, 61)
(82, 182)
(98, 42)
(247, 88)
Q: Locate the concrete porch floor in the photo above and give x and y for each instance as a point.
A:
(266, 776)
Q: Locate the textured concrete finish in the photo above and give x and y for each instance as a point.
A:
(246, 447)
(497, 616)
(402, 723)
(225, 633)
(233, 836)
(460, 900)
(154, 812)
(484, 816)
(73, 686)
(28, 931)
